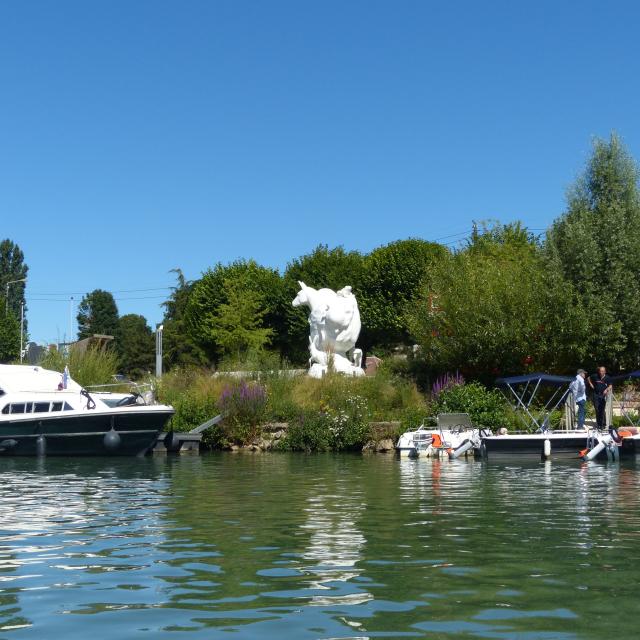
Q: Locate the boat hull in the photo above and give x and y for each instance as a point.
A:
(84, 434)
(562, 446)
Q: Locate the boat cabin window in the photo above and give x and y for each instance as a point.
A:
(36, 407)
(1, 392)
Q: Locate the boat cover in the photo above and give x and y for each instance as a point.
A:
(626, 376)
(544, 378)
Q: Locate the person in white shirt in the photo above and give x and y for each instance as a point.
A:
(579, 392)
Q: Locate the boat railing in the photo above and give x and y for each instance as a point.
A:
(145, 390)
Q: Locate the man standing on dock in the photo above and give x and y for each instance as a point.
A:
(601, 384)
(579, 392)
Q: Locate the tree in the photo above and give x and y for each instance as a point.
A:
(225, 286)
(392, 278)
(12, 268)
(135, 345)
(323, 267)
(498, 307)
(236, 326)
(97, 314)
(596, 246)
(179, 347)
(9, 337)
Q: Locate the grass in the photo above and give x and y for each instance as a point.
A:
(197, 395)
(92, 366)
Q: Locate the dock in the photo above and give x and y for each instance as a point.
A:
(184, 442)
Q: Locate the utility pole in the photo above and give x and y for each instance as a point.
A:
(70, 319)
(159, 330)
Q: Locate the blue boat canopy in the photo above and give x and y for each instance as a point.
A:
(543, 378)
(626, 376)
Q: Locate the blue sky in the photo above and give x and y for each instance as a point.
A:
(140, 136)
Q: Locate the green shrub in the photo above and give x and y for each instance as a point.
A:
(243, 405)
(486, 407)
(337, 429)
(307, 432)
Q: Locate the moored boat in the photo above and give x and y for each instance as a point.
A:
(454, 435)
(45, 413)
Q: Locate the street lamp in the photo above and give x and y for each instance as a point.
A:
(6, 306)
(159, 330)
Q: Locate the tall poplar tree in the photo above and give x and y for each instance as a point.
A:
(12, 268)
(596, 244)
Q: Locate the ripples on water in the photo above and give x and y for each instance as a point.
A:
(292, 546)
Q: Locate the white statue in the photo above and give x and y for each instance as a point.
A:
(334, 321)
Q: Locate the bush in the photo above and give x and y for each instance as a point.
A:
(343, 429)
(328, 414)
(308, 432)
(487, 408)
(194, 394)
(243, 405)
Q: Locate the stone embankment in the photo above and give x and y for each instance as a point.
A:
(271, 434)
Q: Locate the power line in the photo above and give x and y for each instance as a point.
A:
(30, 299)
(81, 293)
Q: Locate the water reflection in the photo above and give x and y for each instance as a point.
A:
(335, 545)
(316, 547)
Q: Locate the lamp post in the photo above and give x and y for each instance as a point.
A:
(159, 330)
(6, 304)
(21, 332)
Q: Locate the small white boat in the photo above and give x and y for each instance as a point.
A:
(454, 435)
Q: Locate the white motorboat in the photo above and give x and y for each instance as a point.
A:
(43, 412)
(454, 435)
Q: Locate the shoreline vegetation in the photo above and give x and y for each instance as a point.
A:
(446, 319)
(279, 411)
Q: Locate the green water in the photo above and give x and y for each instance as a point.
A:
(294, 546)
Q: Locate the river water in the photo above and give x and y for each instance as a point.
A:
(282, 546)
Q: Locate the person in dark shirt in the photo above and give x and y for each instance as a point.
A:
(600, 384)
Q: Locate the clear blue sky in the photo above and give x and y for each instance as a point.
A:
(140, 136)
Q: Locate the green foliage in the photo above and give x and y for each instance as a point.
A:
(234, 308)
(243, 405)
(308, 432)
(12, 268)
(236, 326)
(392, 279)
(9, 337)
(596, 246)
(487, 408)
(315, 409)
(344, 429)
(498, 307)
(194, 394)
(88, 367)
(135, 345)
(322, 268)
(179, 347)
(97, 314)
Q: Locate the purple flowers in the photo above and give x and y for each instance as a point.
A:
(446, 381)
(243, 402)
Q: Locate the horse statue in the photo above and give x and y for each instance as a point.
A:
(334, 321)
